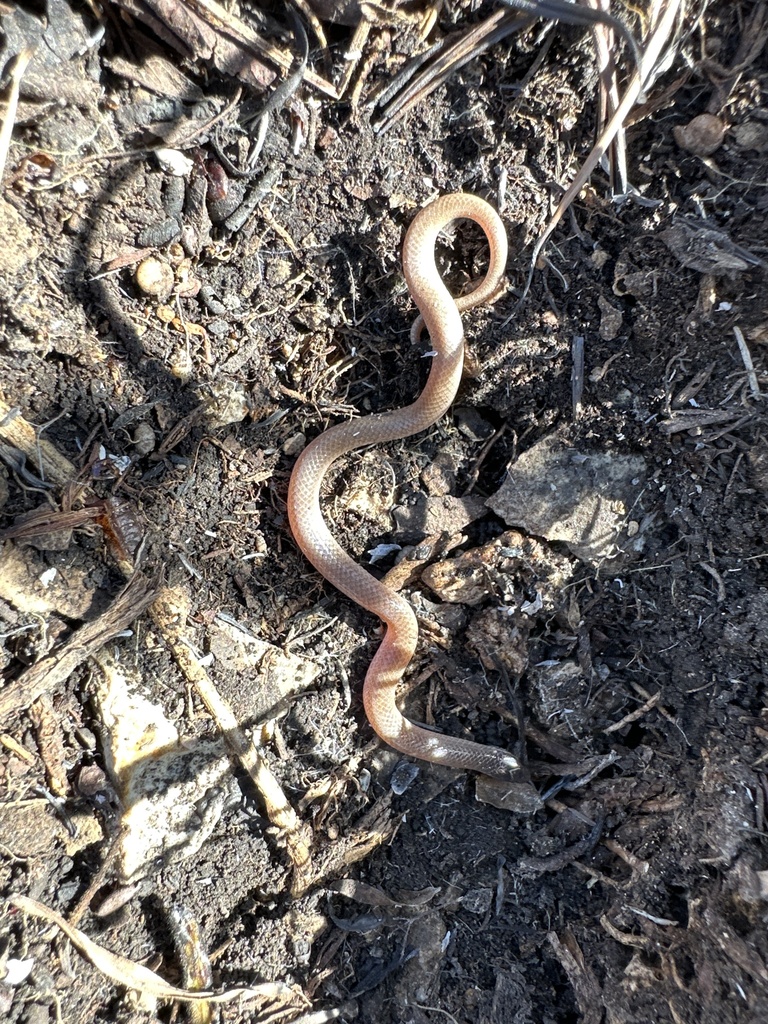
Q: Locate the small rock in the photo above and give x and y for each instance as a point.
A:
(580, 498)
(472, 424)
(702, 136)
(144, 439)
(370, 488)
(173, 161)
(439, 477)
(752, 135)
(517, 797)
(610, 319)
(498, 569)
(278, 271)
(429, 516)
(227, 404)
(477, 901)
(293, 445)
(172, 794)
(154, 277)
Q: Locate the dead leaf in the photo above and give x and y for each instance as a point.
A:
(123, 971)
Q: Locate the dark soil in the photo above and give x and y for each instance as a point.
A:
(469, 913)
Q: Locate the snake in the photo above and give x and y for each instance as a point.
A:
(440, 313)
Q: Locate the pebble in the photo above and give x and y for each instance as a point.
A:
(702, 136)
(154, 277)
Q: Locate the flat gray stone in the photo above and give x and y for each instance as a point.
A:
(587, 500)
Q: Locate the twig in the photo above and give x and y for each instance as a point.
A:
(577, 374)
(634, 715)
(746, 357)
(649, 59)
(21, 434)
(167, 613)
(22, 60)
(56, 667)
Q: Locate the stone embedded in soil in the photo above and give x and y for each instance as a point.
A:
(587, 500)
(511, 568)
(154, 277)
(226, 404)
(752, 135)
(27, 583)
(611, 319)
(702, 136)
(275, 674)
(436, 515)
(172, 793)
(518, 797)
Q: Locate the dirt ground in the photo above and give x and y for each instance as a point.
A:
(626, 877)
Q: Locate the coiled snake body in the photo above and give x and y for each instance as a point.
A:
(441, 316)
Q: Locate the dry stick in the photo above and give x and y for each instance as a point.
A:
(166, 616)
(749, 366)
(22, 60)
(56, 667)
(586, 987)
(452, 57)
(609, 101)
(241, 33)
(634, 715)
(21, 434)
(353, 54)
(656, 43)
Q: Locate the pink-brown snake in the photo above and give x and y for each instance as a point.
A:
(441, 315)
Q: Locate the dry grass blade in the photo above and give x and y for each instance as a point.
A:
(448, 58)
(129, 974)
(608, 100)
(590, 15)
(413, 85)
(12, 103)
(658, 38)
(749, 366)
